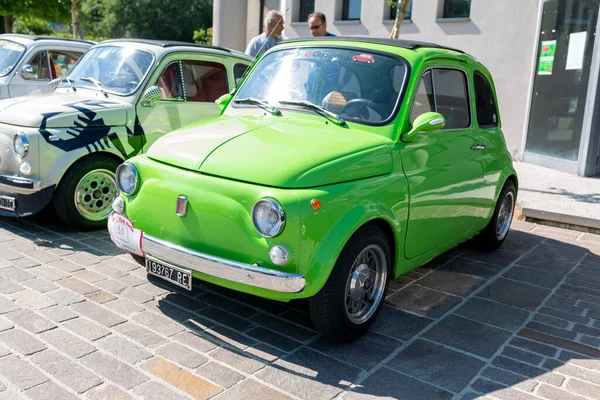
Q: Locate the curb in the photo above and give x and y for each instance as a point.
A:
(582, 224)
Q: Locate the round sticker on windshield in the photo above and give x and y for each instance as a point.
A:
(366, 58)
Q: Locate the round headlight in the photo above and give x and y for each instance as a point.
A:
(21, 144)
(268, 217)
(127, 178)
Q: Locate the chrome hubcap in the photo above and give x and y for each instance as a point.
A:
(505, 215)
(366, 284)
(94, 194)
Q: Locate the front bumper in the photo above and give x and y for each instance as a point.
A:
(17, 182)
(245, 274)
(28, 203)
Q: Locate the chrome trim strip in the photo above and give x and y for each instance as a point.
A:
(20, 182)
(251, 275)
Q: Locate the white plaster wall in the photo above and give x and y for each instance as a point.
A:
(502, 34)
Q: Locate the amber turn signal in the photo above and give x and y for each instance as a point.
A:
(315, 204)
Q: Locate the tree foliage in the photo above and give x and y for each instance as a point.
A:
(49, 10)
(32, 26)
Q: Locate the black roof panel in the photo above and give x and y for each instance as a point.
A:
(168, 43)
(406, 44)
(40, 37)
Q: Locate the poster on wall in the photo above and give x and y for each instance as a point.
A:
(576, 50)
(547, 51)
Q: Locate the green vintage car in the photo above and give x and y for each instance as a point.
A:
(337, 165)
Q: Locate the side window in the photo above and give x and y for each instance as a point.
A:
(487, 115)
(238, 71)
(62, 62)
(39, 64)
(451, 99)
(424, 101)
(169, 82)
(204, 81)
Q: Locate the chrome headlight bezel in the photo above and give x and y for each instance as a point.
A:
(127, 167)
(275, 208)
(21, 144)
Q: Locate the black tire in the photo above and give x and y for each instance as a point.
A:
(64, 196)
(489, 239)
(328, 308)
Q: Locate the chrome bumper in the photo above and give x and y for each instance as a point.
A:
(251, 275)
(18, 182)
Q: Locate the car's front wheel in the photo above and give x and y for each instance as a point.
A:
(354, 293)
(493, 235)
(85, 194)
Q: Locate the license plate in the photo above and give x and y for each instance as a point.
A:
(178, 276)
(7, 203)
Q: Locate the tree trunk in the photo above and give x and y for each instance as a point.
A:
(8, 23)
(77, 30)
(402, 7)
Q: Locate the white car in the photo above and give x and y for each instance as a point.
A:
(63, 148)
(28, 63)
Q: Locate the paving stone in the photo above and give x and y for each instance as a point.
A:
(100, 297)
(8, 254)
(558, 342)
(390, 384)
(112, 285)
(219, 374)
(451, 282)
(31, 321)
(521, 355)
(152, 289)
(5, 324)
(308, 375)
(231, 306)
(163, 308)
(534, 276)
(553, 393)
(123, 349)
(515, 293)
(251, 390)
(41, 285)
(551, 330)
(505, 377)
(89, 276)
(68, 343)
(158, 323)
(399, 324)
(66, 266)
(436, 364)
(108, 392)
(423, 301)
(124, 307)
(580, 373)
(65, 297)
(140, 334)
(22, 341)
(85, 258)
(493, 313)
(114, 370)
(512, 394)
(86, 328)
(533, 346)
(194, 341)
(49, 391)
(583, 388)
(564, 315)
(226, 319)
(285, 328)
(33, 299)
(274, 339)
(185, 302)
(77, 285)
(25, 263)
(591, 341)
(552, 321)
(98, 314)
(500, 257)
(16, 274)
(20, 373)
(563, 303)
(465, 334)
(68, 372)
(182, 355)
(107, 270)
(43, 256)
(587, 330)
(7, 305)
(181, 379)
(131, 280)
(136, 295)
(518, 367)
(8, 287)
(58, 313)
(240, 360)
(155, 391)
(485, 386)
(48, 273)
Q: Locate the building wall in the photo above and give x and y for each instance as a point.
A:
(501, 34)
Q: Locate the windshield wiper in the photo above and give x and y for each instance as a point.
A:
(262, 104)
(55, 82)
(95, 82)
(318, 109)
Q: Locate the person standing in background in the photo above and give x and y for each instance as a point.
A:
(317, 23)
(273, 25)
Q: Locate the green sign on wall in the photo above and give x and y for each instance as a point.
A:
(547, 52)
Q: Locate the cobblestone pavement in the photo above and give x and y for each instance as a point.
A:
(80, 319)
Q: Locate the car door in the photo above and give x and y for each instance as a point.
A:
(494, 154)
(443, 168)
(189, 84)
(35, 82)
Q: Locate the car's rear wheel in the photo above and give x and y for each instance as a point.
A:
(84, 196)
(354, 293)
(494, 234)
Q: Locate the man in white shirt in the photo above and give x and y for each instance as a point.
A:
(270, 37)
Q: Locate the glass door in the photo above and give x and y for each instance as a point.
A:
(560, 88)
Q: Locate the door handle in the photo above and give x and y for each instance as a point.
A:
(478, 147)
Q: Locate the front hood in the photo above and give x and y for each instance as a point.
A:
(280, 152)
(61, 110)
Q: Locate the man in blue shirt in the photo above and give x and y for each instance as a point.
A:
(274, 25)
(317, 23)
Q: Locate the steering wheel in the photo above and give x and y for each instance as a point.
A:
(361, 108)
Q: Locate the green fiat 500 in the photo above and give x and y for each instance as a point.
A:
(337, 165)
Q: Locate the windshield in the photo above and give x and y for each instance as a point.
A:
(10, 53)
(358, 86)
(114, 69)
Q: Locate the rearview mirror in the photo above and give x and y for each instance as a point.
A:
(27, 72)
(223, 101)
(427, 122)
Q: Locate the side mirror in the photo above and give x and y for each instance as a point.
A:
(223, 101)
(27, 72)
(427, 122)
(151, 94)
